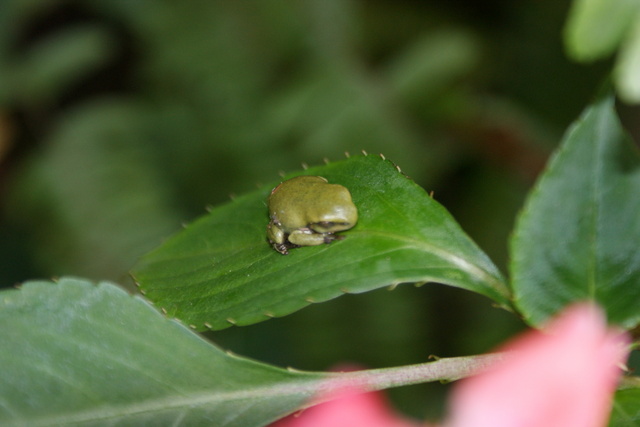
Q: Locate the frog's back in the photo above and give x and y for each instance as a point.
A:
(305, 200)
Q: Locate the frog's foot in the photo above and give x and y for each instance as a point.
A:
(283, 247)
(328, 238)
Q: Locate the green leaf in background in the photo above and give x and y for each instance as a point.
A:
(626, 408)
(220, 270)
(577, 237)
(595, 28)
(50, 67)
(105, 203)
(627, 69)
(79, 354)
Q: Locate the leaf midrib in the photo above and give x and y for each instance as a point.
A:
(177, 401)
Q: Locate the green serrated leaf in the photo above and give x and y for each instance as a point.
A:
(79, 354)
(595, 28)
(577, 237)
(221, 271)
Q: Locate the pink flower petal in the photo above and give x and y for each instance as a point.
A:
(349, 408)
(563, 378)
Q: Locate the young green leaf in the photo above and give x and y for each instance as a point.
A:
(577, 237)
(221, 270)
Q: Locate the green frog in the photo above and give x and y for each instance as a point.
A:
(308, 211)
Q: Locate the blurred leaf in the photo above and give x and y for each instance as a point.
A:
(14, 14)
(577, 237)
(432, 64)
(49, 67)
(627, 69)
(93, 355)
(626, 408)
(104, 202)
(595, 28)
(221, 270)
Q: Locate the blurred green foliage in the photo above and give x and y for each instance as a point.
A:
(598, 28)
(120, 120)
